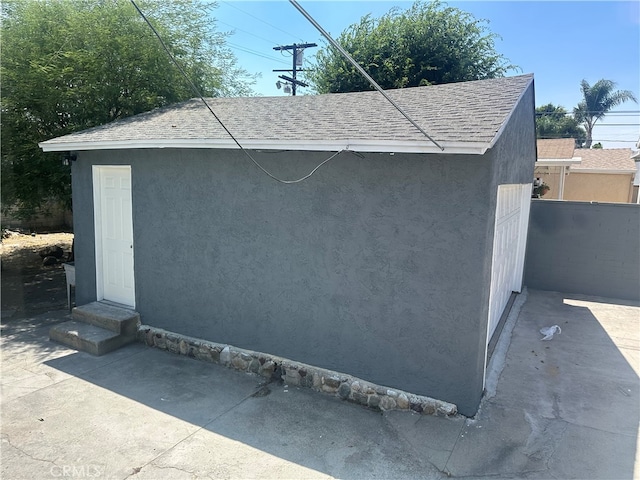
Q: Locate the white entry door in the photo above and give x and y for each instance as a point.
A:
(114, 234)
(509, 244)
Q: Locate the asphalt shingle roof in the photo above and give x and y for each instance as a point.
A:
(557, 148)
(458, 112)
(610, 159)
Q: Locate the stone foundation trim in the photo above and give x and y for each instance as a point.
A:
(344, 386)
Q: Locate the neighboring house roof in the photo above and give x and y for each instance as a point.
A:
(556, 151)
(605, 160)
(465, 117)
(556, 148)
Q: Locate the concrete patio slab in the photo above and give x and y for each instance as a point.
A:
(565, 408)
(579, 385)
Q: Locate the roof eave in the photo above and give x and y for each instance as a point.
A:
(604, 171)
(356, 145)
(508, 117)
(558, 162)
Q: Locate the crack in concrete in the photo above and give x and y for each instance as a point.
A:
(190, 472)
(199, 429)
(406, 442)
(558, 416)
(629, 435)
(7, 439)
(554, 446)
(503, 475)
(545, 436)
(445, 469)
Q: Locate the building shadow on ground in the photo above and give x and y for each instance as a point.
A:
(565, 408)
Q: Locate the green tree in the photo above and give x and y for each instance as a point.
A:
(598, 100)
(429, 43)
(68, 65)
(555, 122)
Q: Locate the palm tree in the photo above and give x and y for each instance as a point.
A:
(597, 101)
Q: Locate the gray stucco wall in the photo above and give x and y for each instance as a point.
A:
(83, 229)
(371, 267)
(587, 248)
(512, 161)
(378, 266)
(514, 154)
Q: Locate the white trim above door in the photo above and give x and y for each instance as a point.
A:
(113, 222)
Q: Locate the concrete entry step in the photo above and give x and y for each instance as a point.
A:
(89, 338)
(109, 316)
(98, 328)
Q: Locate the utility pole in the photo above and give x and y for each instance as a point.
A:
(297, 62)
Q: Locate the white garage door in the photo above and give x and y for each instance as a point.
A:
(509, 243)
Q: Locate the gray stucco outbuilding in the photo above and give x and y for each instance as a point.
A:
(392, 263)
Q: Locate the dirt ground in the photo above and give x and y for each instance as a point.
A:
(29, 287)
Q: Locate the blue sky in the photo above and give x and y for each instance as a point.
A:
(561, 43)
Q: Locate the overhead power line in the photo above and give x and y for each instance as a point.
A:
(199, 95)
(346, 55)
(256, 53)
(593, 139)
(625, 113)
(618, 125)
(261, 20)
(247, 32)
